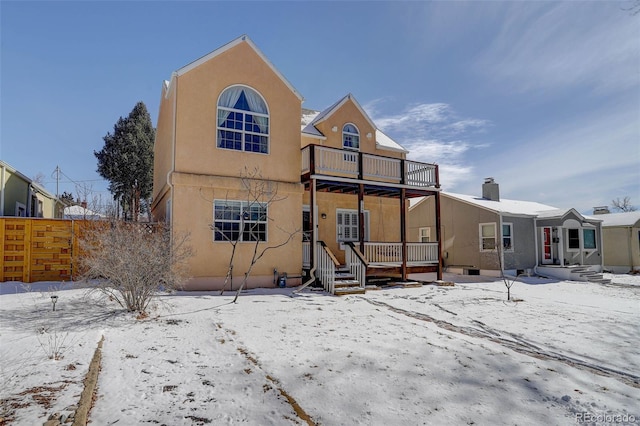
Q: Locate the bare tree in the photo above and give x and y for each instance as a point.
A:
(496, 256)
(131, 263)
(260, 193)
(623, 205)
(233, 239)
(634, 8)
(39, 178)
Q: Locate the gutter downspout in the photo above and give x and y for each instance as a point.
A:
(535, 239)
(500, 241)
(314, 240)
(630, 250)
(173, 153)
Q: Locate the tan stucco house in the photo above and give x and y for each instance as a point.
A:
(339, 217)
(486, 235)
(621, 235)
(21, 196)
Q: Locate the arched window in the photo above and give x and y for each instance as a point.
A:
(243, 120)
(350, 137)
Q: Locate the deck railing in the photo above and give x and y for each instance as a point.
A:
(306, 255)
(326, 268)
(391, 253)
(357, 165)
(355, 264)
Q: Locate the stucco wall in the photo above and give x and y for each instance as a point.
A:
(203, 172)
(163, 153)
(349, 113)
(211, 260)
(198, 93)
(384, 217)
(621, 248)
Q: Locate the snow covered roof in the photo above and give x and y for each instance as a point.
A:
(516, 207)
(620, 219)
(385, 142)
(310, 118)
(79, 212)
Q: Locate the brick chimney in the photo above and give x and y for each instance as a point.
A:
(601, 210)
(490, 189)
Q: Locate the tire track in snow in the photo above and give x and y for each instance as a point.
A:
(516, 344)
(302, 415)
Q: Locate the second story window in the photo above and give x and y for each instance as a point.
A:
(350, 137)
(243, 120)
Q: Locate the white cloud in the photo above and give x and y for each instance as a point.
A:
(547, 46)
(432, 133)
(595, 157)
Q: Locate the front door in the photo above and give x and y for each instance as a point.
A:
(547, 248)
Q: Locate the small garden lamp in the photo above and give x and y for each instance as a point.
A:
(54, 299)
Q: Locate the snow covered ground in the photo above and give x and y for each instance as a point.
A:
(565, 351)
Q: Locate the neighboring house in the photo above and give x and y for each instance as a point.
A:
(621, 235)
(341, 183)
(487, 234)
(21, 196)
(81, 212)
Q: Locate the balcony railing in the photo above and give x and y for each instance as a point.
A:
(357, 165)
(391, 253)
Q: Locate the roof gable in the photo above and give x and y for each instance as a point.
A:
(335, 107)
(309, 122)
(240, 40)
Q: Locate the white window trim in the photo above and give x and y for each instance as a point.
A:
(513, 243)
(352, 134)
(595, 239)
(574, 250)
(495, 236)
(342, 240)
(243, 131)
(243, 205)
(424, 233)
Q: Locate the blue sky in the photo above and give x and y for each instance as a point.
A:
(542, 96)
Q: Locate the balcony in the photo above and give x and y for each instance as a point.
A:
(357, 166)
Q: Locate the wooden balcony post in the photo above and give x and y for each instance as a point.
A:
(438, 233)
(403, 231)
(361, 216)
(313, 219)
(312, 160)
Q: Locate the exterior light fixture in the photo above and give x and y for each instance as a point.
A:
(54, 299)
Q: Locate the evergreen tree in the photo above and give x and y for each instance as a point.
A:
(67, 198)
(126, 160)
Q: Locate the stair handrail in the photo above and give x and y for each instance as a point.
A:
(326, 266)
(356, 263)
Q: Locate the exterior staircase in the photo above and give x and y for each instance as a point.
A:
(583, 273)
(346, 283)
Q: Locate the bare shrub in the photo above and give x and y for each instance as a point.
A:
(52, 343)
(131, 262)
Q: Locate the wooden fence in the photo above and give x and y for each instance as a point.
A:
(34, 249)
(37, 249)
